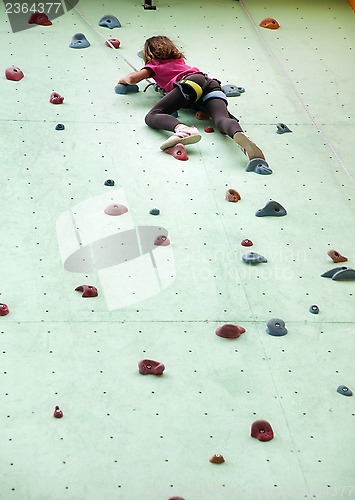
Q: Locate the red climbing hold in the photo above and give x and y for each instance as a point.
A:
(39, 18)
(262, 430)
(150, 367)
(178, 151)
(209, 129)
(229, 331)
(57, 412)
(270, 23)
(336, 256)
(247, 243)
(14, 74)
(162, 240)
(232, 195)
(113, 43)
(56, 98)
(88, 290)
(4, 309)
(202, 115)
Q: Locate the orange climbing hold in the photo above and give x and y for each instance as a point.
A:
(336, 256)
(232, 195)
(270, 23)
(217, 459)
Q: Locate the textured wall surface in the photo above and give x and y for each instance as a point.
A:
(124, 435)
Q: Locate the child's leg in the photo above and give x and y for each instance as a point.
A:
(160, 117)
(217, 109)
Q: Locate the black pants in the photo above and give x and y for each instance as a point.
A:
(159, 116)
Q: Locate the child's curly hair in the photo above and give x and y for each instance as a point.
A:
(160, 48)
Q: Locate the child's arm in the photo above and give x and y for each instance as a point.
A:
(136, 77)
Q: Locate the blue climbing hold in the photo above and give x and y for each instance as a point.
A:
(109, 22)
(79, 41)
(259, 166)
(314, 309)
(344, 274)
(154, 211)
(60, 126)
(109, 182)
(140, 54)
(344, 390)
(272, 208)
(282, 128)
(126, 89)
(253, 258)
(340, 273)
(276, 327)
(232, 90)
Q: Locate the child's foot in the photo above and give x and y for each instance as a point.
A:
(249, 148)
(183, 135)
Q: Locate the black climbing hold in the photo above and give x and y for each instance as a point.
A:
(339, 273)
(272, 208)
(314, 309)
(109, 22)
(126, 89)
(109, 182)
(60, 126)
(175, 114)
(148, 5)
(282, 128)
(276, 327)
(154, 211)
(259, 166)
(232, 90)
(344, 390)
(253, 258)
(79, 41)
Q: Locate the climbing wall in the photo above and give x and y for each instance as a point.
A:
(125, 435)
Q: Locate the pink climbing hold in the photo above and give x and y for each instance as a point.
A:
(247, 243)
(230, 331)
(262, 430)
(162, 240)
(14, 74)
(88, 290)
(57, 412)
(56, 98)
(209, 129)
(150, 367)
(178, 151)
(115, 209)
(39, 18)
(113, 43)
(4, 309)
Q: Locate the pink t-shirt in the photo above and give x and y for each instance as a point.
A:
(168, 71)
